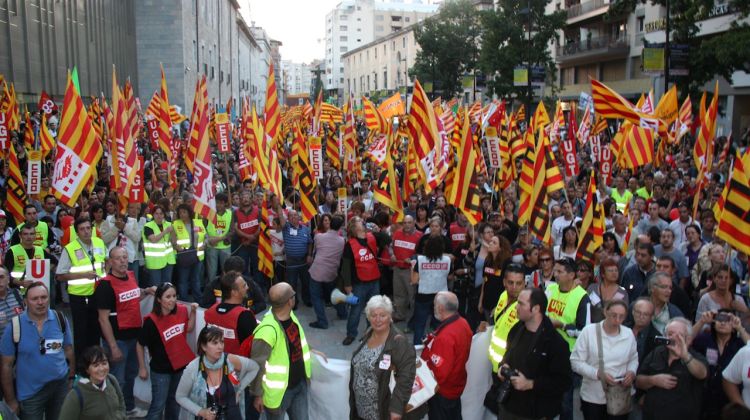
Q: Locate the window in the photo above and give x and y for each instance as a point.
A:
(359, 40)
(343, 38)
(375, 77)
(385, 79)
(341, 69)
(341, 80)
(384, 45)
(406, 19)
(379, 18)
(376, 52)
(395, 18)
(344, 17)
(379, 28)
(359, 19)
(404, 40)
(343, 49)
(640, 23)
(343, 28)
(368, 82)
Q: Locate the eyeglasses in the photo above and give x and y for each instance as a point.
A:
(42, 346)
(545, 259)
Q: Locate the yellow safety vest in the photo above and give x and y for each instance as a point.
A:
(183, 236)
(19, 260)
(82, 262)
(276, 375)
(505, 319)
(621, 200)
(42, 233)
(223, 223)
(563, 306)
(157, 254)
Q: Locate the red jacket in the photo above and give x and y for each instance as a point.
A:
(446, 352)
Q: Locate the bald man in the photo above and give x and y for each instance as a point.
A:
(281, 363)
(446, 352)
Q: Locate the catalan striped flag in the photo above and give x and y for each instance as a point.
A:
(637, 148)
(475, 112)
(164, 117)
(96, 113)
(521, 113)
(264, 158)
(725, 150)
(349, 141)
(553, 178)
(46, 141)
(272, 110)
(734, 223)
(265, 251)
(14, 121)
(539, 223)
(192, 146)
(684, 120)
(600, 125)
(517, 143)
(526, 185)
(331, 114)
(15, 186)
(204, 189)
(465, 193)
(592, 226)
(374, 120)
(610, 105)
(557, 123)
(411, 175)
(704, 145)
(629, 233)
(540, 118)
(333, 154)
(29, 139)
(719, 205)
(306, 179)
(424, 132)
(386, 190)
(78, 149)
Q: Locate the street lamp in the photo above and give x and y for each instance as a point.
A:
(527, 12)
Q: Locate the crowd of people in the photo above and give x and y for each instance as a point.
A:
(653, 327)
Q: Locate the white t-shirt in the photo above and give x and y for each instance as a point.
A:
(558, 225)
(738, 372)
(433, 275)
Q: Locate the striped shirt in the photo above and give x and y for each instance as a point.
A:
(296, 240)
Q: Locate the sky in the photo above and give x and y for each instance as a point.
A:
(298, 24)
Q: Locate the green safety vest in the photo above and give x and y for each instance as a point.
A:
(183, 236)
(276, 375)
(157, 254)
(223, 223)
(643, 193)
(621, 200)
(505, 319)
(19, 260)
(563, 306)
(80, 262)
(42, 233)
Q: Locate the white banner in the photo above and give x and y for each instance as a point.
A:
(38, 270)
(34, 183)
(316, 157)
(493, 150)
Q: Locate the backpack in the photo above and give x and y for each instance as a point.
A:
(16, 328)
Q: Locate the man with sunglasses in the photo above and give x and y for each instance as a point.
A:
(42, 359)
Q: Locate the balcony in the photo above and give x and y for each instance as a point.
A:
(593, 49)
(586, 10)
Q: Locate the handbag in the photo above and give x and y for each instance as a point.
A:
(188, 257)
(422, 390)
(618, 396)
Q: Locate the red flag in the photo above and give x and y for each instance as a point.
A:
(46, 105)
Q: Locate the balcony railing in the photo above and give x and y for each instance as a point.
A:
(579, 9)
(590, 45)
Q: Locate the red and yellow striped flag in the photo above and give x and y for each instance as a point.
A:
(704, 145)
(526, 185)
(684, 120)
(306, 179)
(28, 133)
(272, 110)
(539, 223)
(46, 141)
(592, 226)
(15, 186)
(464, 194)
(332, 149)
(424, 133)
(265, 251)
(204, 189)
(386, 190)
(163, 116)
(374, 120)
(78, 149)
(734, 223)
(637, 148)
(610, 105)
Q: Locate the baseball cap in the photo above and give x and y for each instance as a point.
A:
(3, 215)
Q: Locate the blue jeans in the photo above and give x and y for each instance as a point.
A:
(189, 277)
(249, 255)
(162, 275)
(364, 291)
(441, 408)
(163, 389)
(320, 292)
(422, 312)
(298, 275)
(46, 403)
(567, 401)
(125, 370)
(294, 403)
(215, 259)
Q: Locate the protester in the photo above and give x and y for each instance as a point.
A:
(328, 249)
(41, 362)
(446, 352)
(660, 290)
(721, 293)
(430, 276)
(164, 334)
(157, 248)
(96, 395)
(384, 352)
(211, 385)
(610, 346)
(606, 290)
(218, 236)
(404, 246)
(281, 351)
(298, 245)
(498, 256)
(189, 234)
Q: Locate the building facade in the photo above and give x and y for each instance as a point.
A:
(298, 77)
(378, 69)
(40, 40)
(355, 23)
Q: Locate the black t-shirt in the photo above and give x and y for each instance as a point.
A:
(147, 231)
(296, 361)
(522, 348)
(150, 337)
(9, 259)
(104, 298)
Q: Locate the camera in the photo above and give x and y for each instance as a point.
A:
(660, 340)
(504, 388)
(722, 317)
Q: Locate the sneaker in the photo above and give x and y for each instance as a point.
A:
(348, 340)
(136, 413)
(318, 325)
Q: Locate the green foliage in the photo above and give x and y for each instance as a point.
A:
(449, 44)
(506, 43)
(721, 54)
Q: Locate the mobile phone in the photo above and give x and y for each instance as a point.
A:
(660, 340)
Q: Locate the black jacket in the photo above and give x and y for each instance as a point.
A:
(547, 363)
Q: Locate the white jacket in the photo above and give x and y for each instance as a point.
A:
(620, 356)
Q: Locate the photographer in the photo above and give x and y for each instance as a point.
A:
(536, 371)
(673, 376)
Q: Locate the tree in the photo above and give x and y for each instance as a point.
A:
(449, 43)
(709, 56)
(506, 43)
